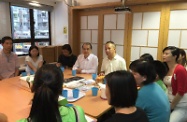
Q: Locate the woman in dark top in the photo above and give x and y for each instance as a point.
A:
(66, 59)
(121, 92)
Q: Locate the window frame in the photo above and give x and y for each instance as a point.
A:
(32, 40)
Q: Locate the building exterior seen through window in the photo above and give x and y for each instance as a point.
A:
(41, 26)
(21, 48)
(29, 27)
(20, 23)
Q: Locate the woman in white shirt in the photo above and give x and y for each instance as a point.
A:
(176, 81)
(34, 60)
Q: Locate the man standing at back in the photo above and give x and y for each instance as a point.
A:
(9, 65)
(113, 61)
(86, 62)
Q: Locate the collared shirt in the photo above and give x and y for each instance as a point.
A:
(8, 64)
(117, 63)
(88, 65)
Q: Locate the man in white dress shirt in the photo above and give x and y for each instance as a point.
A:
(86, 62)
(113, 61)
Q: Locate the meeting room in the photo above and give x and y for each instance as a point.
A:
(93, 60)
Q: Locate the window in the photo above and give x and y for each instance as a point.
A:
(21, 48)
(41, 26)
(29, 27)
(20, 23)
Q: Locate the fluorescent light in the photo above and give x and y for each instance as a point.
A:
(34, 3)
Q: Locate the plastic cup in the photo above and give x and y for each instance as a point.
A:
(94, 75)
(65, 93)
(62, 69)
(104, 81)
(94, 91)
(75, 93)
(74, 72)
(23, 74)
(31, 72)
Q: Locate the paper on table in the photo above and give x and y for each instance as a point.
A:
(25, 78)
(88, 81)
(85, 88)
(74, 84)
(89, 119)
(61, 98)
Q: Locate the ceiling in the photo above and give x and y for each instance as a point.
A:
(32, 0)
(45, 2)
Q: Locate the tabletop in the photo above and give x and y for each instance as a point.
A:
(16, 96)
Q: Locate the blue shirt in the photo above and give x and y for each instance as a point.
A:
(153, 100)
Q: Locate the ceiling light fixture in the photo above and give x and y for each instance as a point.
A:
(35, 3)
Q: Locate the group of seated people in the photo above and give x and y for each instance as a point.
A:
(9, 63)
(162, 96)
(87, 62)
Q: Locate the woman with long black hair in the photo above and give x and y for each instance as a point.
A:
(47, 87)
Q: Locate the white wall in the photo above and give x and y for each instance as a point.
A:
(5, 28)
(59, 20)
(89, 2)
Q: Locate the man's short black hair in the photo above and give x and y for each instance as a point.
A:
(6, 38)
(87, 43)
(111, 42)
